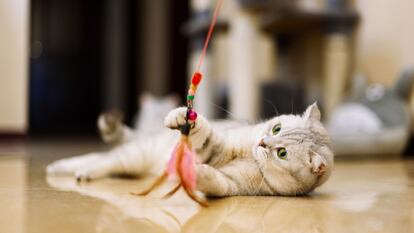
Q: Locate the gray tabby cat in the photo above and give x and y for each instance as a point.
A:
(286, 155)
(375, 120)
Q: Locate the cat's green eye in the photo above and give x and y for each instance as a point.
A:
(282, 153)
(276, 129)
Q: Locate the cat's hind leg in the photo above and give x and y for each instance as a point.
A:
(112, 130)
(127, 159)
(103, 167)
(68, 166)
(87, 167)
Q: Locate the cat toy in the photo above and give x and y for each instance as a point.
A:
(183, 158)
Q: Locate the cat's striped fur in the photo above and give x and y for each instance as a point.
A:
(235, 159)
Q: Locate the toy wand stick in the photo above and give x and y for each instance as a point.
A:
(182, 161)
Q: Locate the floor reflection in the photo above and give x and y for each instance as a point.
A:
(151, 213)
(347, 204)
(13, 172)
(361, 196)
(179, 214)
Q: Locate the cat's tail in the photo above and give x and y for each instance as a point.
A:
(404, 84)
(112, 130)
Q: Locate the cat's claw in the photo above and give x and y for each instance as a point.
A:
(84, 176)
(80, 179)
(176, 118)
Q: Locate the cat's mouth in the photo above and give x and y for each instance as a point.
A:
(261, 151)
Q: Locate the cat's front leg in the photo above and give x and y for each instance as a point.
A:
(215, 182)
(239, 177)
(202, 136)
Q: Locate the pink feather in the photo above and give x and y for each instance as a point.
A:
(172, 164)
(187, 165)
(188, 168)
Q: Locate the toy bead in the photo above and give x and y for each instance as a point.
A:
(192, 115)
(191, 92)
(196, 78)
(190, 97)
(193, 87)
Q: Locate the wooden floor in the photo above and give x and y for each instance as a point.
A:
(362, 196)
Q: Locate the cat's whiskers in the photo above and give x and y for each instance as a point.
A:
(251, 179)
(221, 108)
(233, 116)
(262, 180)
(273, 106)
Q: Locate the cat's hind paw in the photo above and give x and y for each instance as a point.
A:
(110, 126)
(176, 118)
(68, 166)
(83, 175)
(101, 168)
(57, 168)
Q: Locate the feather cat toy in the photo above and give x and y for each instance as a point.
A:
(183, 158)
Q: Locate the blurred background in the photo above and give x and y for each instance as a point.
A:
(62, 63)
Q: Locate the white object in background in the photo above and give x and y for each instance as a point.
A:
(353, 119)
(14, 57)
(356, 130)
(200, 5)
(243, 81)
(311, 5)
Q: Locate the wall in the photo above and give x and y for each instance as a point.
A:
(385, 42)
(14, 34)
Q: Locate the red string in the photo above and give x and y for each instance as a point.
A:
(210, 31)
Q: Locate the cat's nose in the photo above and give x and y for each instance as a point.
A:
(262, 144)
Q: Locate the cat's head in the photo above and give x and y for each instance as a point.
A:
(294, 152)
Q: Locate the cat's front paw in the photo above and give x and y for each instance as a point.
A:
(176, 118)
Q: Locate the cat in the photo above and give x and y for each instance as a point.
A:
(375, 119)
(286, 155)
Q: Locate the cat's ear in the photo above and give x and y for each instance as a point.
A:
(318, 163)
(312, 112)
